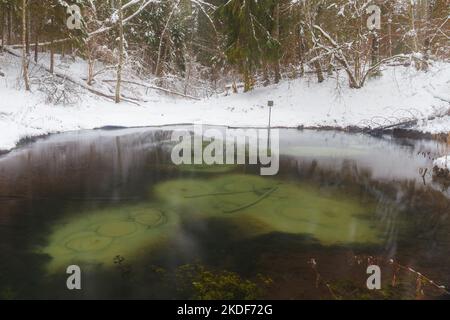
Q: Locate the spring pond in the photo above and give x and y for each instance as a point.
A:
(112, 202)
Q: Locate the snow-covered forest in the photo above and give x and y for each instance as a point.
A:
(326, 63)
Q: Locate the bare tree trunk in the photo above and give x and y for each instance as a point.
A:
(28, 23)
(161, 40)
(419, 64)
(319, 72)
(428, 28)
(188, 72)
(390, 34)
(121, 52)
(9, 18)
(357, 71)
(36, 45)
(375, 53)
(24, 51)
(91, 65)
(248, 80)
(2, 30)
(266, 80)
(52, 57)
(277, 37)
(191, 26)
(302, 55)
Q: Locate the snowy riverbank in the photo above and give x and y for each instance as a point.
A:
(443, 162)
(401, 94)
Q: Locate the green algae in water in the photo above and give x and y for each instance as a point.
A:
(268, 205)
(95, 238)
(254, 204)
(204, 168)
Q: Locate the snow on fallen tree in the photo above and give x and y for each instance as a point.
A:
(441, 171)
(148, 86)
(442, 163)
(73, 80)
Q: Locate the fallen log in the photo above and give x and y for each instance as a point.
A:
(73, 80)
(155, 88)
(381, 129)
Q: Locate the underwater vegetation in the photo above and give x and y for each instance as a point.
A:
(203, 168)
(269, 205)
(200, 283)
(7, 293)
(254, 204)
(94, 238)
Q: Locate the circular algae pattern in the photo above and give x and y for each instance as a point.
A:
(97, 236)
(150, 218)
(117, 229)
(87, 242)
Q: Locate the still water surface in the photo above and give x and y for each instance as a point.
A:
(140, 227)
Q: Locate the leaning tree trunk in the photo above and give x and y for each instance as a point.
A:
(121, 53)
(24, 50)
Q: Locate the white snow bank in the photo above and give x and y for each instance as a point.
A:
(402, 93)
(442, 163)
(435, 126)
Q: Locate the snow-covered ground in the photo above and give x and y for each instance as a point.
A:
(443, 162)
(402, 93)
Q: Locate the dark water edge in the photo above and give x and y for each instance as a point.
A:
(62, 175)
(396, 132)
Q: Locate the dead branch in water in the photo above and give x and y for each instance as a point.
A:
(265, 195)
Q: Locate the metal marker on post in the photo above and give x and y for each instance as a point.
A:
(270, 105)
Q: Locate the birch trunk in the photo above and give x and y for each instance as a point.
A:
(121, 52)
